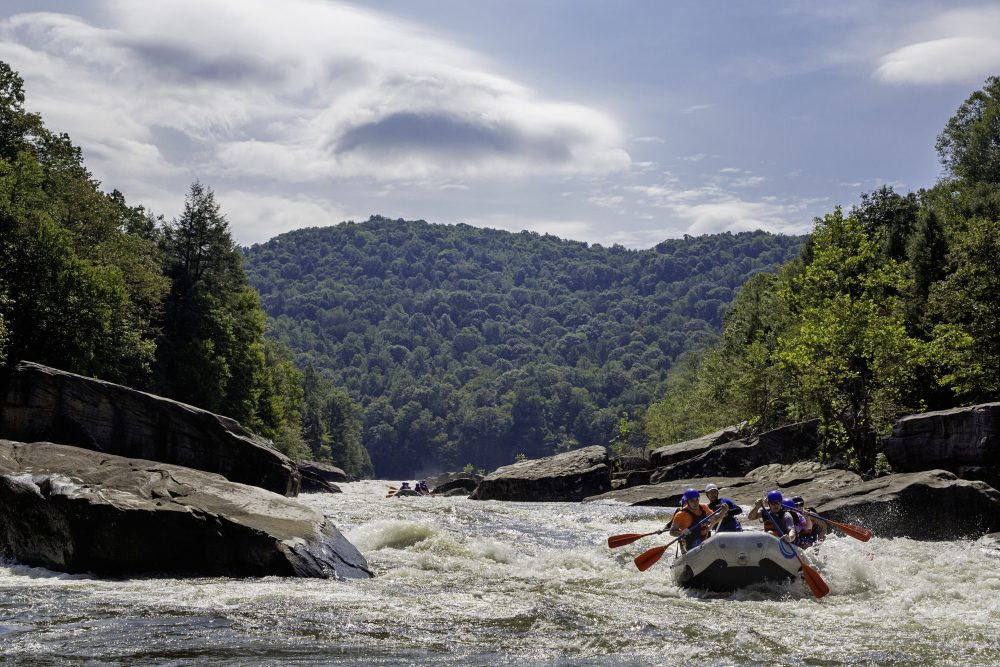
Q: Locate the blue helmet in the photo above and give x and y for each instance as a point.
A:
(690, 494)
(774, 496)
(788, 503)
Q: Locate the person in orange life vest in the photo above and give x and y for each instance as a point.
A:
(787, 527)
(690, 512)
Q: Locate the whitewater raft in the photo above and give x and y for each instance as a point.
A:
(727, 561)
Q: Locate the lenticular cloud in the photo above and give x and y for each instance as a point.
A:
(298, 90)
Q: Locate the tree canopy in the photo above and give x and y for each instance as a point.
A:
(470, 346)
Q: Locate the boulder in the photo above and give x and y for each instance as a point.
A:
(43, 403)
(808, 479)
(620, 464)
(965, 441)
(76, 510)
(812, 474)
(571, 476)
(787, 444)
(465, 485)
(440, 479)
(680, 451)
(927, 505)
(622, 480)
(320, 477)
(324, 471)
(454, 492)
(668, 494)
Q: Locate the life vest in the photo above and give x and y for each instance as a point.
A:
(692, 539)
(779, 516)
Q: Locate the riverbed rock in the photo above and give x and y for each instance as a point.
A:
(76, 510)
(46, 404)
(668, 494)
(442, 478)
(819, 478)
(808, 479)
(787, 444)
(927, 505)
(461, 486)
(567, 477)
(623, 480)
(965, 441)
(318, 477)
(680, 451)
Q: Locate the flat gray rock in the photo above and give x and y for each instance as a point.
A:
(76, 510)
(787, 444)
(965, 441)
(927, 505)
(680, 451)
(46, 404)
(567, 477)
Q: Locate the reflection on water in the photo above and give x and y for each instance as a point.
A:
(464, 582)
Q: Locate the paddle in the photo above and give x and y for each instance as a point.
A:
(646, 559)
(616, 541)
(857, 532)
(815, 582)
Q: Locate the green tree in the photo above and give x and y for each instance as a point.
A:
(850, 359)
(81, 290)
(211, 353)
(967, 301)
(331, 425)
(968, 146)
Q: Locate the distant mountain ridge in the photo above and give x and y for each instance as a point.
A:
(468, 345)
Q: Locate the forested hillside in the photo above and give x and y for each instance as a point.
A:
(471, 346)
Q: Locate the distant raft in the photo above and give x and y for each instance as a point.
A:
(727, 561)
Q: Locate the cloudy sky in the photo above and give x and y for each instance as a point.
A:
(609, 122)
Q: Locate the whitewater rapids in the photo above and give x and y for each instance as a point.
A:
(462, 582)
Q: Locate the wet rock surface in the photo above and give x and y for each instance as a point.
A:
(567, 477)
(46, 404)
(76, 510)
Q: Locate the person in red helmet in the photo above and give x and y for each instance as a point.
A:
(691, 512)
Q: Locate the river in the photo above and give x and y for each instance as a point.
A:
(462, 582)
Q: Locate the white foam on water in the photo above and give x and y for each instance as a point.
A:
(462, 582)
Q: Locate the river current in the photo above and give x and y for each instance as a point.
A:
(461, 582)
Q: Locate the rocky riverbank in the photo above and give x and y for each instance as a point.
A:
(97, 477)
(946, 462)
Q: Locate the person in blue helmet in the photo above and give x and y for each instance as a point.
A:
(691, 512)
(813, 530)
(730, 524)
(800, 540)
(778, 519)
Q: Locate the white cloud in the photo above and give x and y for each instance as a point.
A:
(698, 107)
(300, 91)
(712, 209)
(255, 217)
(747, 182)
(959, 46)
(613, 201)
